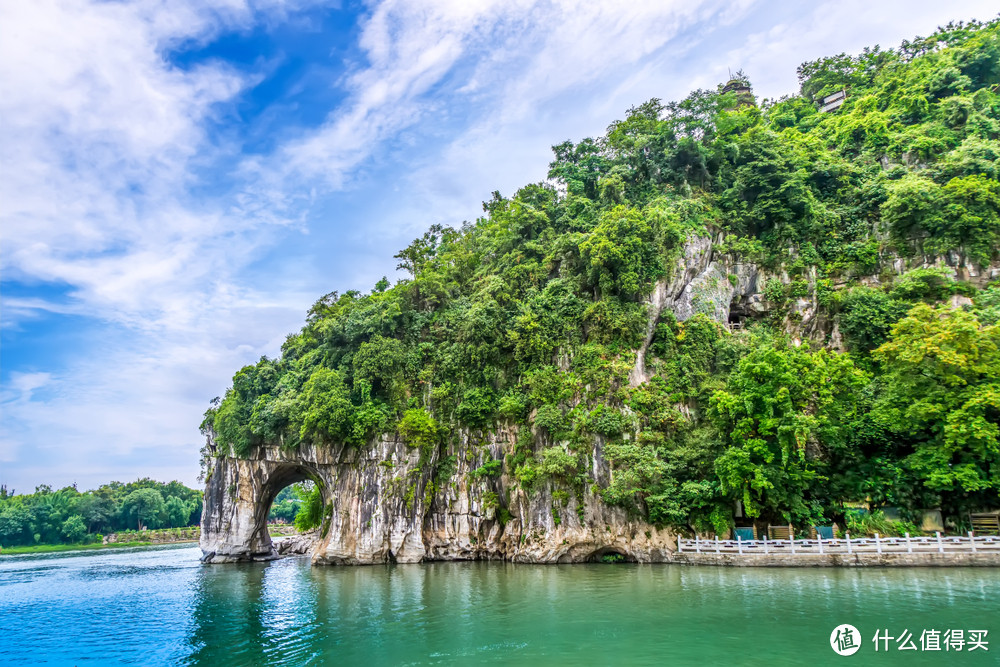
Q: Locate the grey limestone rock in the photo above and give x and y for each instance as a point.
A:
(384, 507)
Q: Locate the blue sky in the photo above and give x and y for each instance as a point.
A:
(181, 180)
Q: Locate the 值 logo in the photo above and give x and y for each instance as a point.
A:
(845, 639)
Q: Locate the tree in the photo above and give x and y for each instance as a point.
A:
(15, 524)
(285, 505)
(913, 206)
(867, 317)
(972, 216)
(824, 76)
(178, 512)
(419, 429)
(95, 511)
(382, 361)
(621, 254)
(963, 214)
(579, 166)
(324, 408)
(310, 514)
(767, 189)
(942, 372)
(477, 407)
(145, 505)
(417, 255)
(74, 529)
(785, 413)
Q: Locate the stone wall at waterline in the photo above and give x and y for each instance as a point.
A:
(990, 559)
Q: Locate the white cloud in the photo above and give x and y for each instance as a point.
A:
(98, 131)
(411, 49)
(505, 60)
(573, 67)
(103, 138)
(771, 56)
(132, 395)
(17, 395)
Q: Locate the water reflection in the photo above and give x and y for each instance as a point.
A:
(460, 613)
(162, 607)
(242, 614)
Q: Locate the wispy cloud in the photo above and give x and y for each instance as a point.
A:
(98, 132)
(102, 139)
(839, 27)
(104, 144)
(420, 58)
(564, 70)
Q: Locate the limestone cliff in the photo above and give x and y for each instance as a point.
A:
(384, 507)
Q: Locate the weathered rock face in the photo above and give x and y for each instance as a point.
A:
(730, 290)
(385, 507)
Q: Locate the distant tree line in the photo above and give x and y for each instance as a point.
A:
(300, 504)
(285, 506)
(71, 516)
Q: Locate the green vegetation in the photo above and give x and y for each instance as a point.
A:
(52, 548)
(69, 517)
(864, 523)
(310, 514)
(286, 505)
(531, 315)
(299, 504)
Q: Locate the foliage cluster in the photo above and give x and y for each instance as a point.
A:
(862, 524)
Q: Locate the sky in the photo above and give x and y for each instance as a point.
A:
(180, 181)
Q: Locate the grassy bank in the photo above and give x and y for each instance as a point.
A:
(47, 548)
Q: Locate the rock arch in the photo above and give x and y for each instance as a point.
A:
(610, 554)
(238, 498)
(374, 500)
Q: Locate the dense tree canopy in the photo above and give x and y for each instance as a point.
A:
(67, 515)
(531, 315)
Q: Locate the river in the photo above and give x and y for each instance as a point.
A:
(160, 606)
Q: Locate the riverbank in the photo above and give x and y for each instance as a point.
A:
(54, 548)
(125, 538)
(158, 536)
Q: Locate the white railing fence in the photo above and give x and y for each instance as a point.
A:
(846, 545)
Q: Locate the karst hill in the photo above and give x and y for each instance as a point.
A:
(724, 310)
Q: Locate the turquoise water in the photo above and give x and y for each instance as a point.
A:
(160, 606)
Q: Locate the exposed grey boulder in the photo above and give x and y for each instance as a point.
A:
(296, 545)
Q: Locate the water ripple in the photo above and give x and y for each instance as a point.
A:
(160, 606)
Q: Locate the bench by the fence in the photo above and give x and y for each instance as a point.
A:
(780, 532)
(986, 523)
(937, 543)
